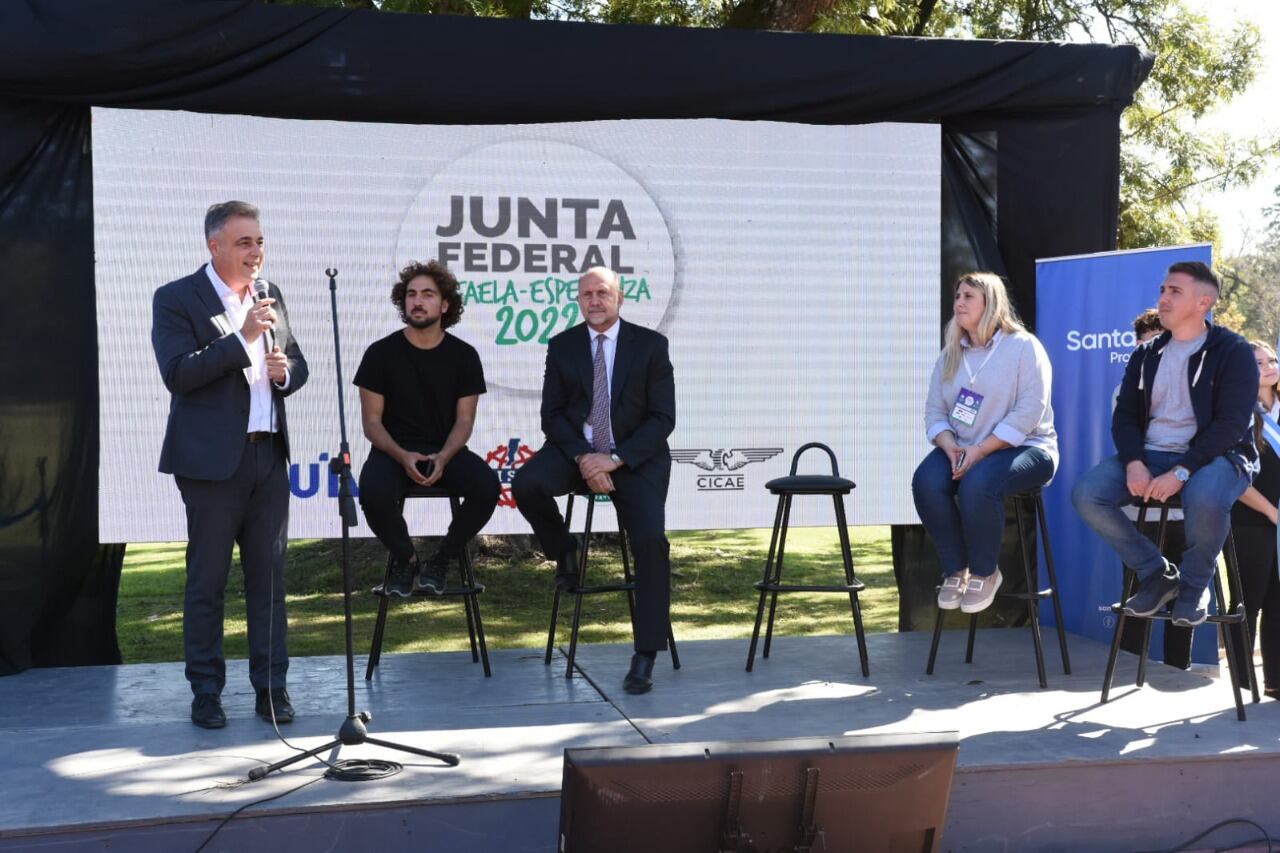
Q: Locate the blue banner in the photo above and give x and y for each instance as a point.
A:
(1085, 306)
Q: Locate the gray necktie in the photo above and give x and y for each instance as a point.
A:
(599, 420)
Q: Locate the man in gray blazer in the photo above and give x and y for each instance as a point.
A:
(229, 360)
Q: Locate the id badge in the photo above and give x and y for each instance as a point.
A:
(968, 403)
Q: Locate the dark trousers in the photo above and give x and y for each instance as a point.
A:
(384, 484)
(251, 509)
(641, 510)
(1256, 550)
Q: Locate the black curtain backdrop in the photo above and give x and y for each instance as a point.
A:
(1038, 121)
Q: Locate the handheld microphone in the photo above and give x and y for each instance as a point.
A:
(260, 293)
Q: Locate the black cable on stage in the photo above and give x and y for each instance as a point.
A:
(362, 770)
(226, 820)
(1219, 825)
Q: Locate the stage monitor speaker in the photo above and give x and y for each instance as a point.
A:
(880, 792)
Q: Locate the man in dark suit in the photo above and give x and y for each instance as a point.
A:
(228, 362)
(608, 405)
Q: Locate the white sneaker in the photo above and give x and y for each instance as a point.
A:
(952, 590)
(980, 592)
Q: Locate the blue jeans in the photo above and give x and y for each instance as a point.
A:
(965, 517)
(1206, 506)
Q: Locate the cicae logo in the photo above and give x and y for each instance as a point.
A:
(720, 466)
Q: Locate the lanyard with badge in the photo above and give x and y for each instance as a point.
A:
(968, 401)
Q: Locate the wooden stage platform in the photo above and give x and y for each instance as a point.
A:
(105, 758)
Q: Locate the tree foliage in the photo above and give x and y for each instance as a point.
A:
(1170, 157)
(1251, 284)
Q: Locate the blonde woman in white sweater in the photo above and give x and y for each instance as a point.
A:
(990, 419)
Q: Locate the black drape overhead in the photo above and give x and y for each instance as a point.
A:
(1038, 121)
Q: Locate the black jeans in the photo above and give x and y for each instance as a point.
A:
(384, 484)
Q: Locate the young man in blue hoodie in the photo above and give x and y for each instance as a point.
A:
(1181, 425)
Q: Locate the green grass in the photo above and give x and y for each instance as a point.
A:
(712, 595)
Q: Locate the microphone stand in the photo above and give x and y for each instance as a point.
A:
(353, 731)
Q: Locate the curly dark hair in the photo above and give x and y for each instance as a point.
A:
(444, 280)
(1147, 321)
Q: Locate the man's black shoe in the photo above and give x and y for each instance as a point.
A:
(1154, 593)
(206, 711)
(640, 678)
(567, 567)
(434, 575)
(277, 698)
(401, 575)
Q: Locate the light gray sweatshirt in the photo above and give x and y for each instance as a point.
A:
(1014, 377)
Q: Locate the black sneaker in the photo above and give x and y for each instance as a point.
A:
(276, 698)
(433, 577)
(1154, 593)
(400, 577)
(206, 711)
(1191, 608)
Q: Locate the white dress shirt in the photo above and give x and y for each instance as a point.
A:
(610, 350)
(261, 407)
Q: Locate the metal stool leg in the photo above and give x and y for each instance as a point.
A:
(777, 574)
(973, 633)
(555, 600)
(472, 599)
(577, 592)
(379, 627)
(768, 576)
(1229, 640)
(466, 599)
(1161, 533)
(1053, 584)
(846, 552)
(1130, 584)
(551, 633)
(933, 648)
(1033, 587)
(1232, 560)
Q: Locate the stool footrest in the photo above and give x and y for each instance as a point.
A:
(453, 590)
(856, 586)
(1235, 617)
(1026, 596)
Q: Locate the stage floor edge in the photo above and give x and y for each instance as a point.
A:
(106, 758)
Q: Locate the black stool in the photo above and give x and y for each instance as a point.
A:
(1033, 595)
(1222, 618)
(581, 589)
(469, 591)
(771, 584)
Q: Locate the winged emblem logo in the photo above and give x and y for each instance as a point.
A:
(724, 460)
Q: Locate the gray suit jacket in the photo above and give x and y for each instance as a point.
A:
(202, 362)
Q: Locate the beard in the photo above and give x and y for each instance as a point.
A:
(421, 322)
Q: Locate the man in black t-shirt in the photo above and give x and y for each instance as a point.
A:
(419, 388)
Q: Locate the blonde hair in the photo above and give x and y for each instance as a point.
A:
(999, 315)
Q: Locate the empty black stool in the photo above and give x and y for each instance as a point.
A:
(580, 588)
(771, 584)
(1222, 618)
(469, 590)
(1033, 595)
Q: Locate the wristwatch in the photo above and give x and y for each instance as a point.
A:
(1181, 474)
(617, 460)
